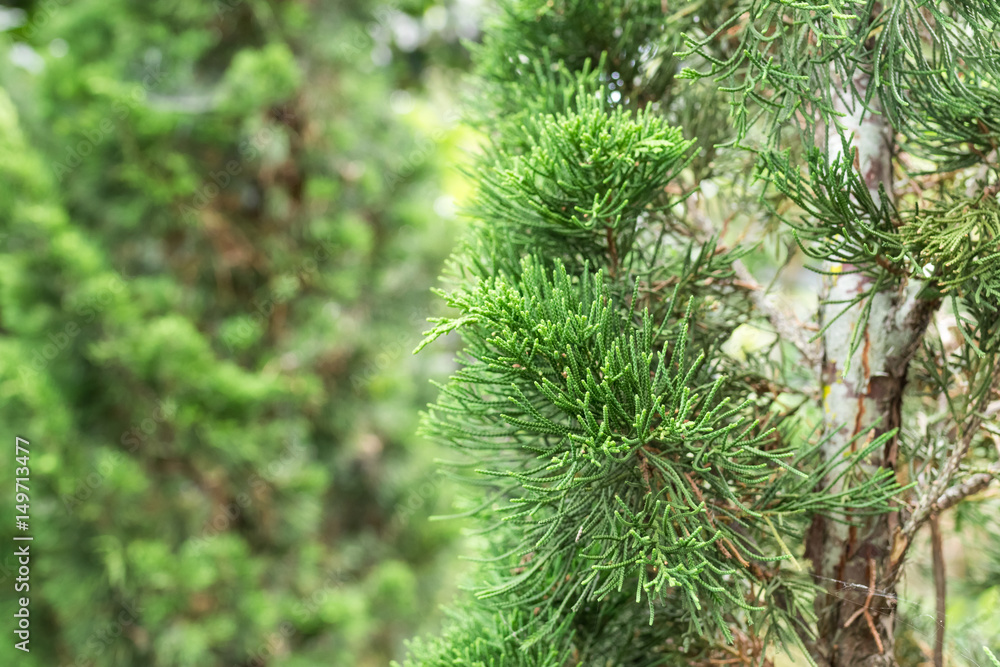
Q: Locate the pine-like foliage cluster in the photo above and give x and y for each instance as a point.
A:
(930, 69)
(637, 494)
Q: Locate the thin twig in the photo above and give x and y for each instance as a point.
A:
(928, 500)
(865, 610)
(970, 486)
(941, 496)
(935, 494)
(782, 543)
(792, 332)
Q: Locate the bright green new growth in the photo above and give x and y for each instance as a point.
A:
(583, 182)
(479, 639)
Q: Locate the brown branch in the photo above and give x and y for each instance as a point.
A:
(970, 486)
(644, 468)
(865, 610)
(926, 503)
(933, 496)
(612, 250)
(941, 496)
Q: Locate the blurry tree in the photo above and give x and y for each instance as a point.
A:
(652, 490)
(218, 222)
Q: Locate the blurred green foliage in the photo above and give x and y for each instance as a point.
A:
(218, 225)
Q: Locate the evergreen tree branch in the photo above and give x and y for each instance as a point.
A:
(971, 486)
(939, 496)
(619, 450)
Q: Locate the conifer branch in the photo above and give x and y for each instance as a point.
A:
(969, 487)
(631, 469)
(935, 495)
(940, 496)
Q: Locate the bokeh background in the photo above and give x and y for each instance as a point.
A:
(219, 225)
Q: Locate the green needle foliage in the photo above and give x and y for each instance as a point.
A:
(931, 70)
(618, 462)
(479, 639)
(607, 449)
(617, 160)
(956, 245)
(933, 67)
(643, 494)
(583, 185)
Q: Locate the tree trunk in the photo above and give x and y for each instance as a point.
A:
(870, 390)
